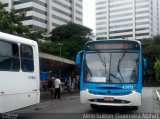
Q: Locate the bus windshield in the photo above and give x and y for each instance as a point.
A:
(111, 67)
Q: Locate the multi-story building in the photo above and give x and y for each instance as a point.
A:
(130, 19)
(47, 14)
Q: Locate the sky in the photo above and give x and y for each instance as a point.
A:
(89, 14)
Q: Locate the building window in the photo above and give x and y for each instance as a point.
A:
(36, 19)
(121, 20)
(99, 3)
(141, 1)
(16, 2)
(142, 23)
(142, 17)
(79, 19)
(100, 8)
(59, 18)
(120, 4)
(78, 5)
(78, 12)
(142, 34)
(101, 33)
(121, 15)
(27, 62)
(62, 4)
(101, 28)
(5, 4)
(70, 1)
(122, 25)
(101, 18)
(111, 1)
(142, 29)
(142, 12)
(121, 10)
(62, 12)
(100, 13)
(142, 6)
(121, 36)
(9, 56)
(120, 31)
(101, 23)
(31, 9)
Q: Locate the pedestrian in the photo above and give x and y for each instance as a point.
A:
(74, 80)
(51, 87)
(57, 84)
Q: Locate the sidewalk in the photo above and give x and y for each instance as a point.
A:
(45, 101)
(44, 96)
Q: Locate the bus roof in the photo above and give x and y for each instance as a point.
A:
(17, 39)
(110, 40)
(113, 44)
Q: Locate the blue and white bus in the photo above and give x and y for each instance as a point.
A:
(111, 73)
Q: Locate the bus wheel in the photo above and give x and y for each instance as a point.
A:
(93, 106)
(135, 108)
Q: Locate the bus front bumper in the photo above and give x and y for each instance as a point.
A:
(133, 99)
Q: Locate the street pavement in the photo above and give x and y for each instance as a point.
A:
(70, 107)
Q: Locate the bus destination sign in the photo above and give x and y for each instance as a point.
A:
(112, 46)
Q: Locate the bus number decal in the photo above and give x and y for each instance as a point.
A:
(127, 87)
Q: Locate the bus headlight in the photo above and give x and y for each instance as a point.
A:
(133, 91)
(86, 89)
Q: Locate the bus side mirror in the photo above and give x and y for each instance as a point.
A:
(144, 63)
(79, 58)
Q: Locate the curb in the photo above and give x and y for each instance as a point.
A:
(158, 94)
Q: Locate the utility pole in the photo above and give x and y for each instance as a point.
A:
(60, 45)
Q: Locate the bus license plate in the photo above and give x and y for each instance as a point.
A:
(108, 99)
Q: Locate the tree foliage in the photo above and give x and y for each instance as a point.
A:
(72, 36)
(157, 69)
(69, 32)
(151, 52)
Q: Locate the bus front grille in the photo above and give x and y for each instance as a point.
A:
(114, 101)
(111, 93)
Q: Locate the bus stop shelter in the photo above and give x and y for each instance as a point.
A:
(54, 63)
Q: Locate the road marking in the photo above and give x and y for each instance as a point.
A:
(158, 94)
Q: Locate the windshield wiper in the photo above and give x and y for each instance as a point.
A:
(119, 64)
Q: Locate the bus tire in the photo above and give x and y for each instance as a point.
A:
(135, 108)
(93, 106)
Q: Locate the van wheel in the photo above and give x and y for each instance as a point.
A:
(135, 108)
(93, 106)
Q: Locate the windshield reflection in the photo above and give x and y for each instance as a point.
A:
(111, 67)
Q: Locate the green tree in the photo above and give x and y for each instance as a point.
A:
(157, 69)
(72, 36)
(151, 52)
(34, 34)
(69, 32)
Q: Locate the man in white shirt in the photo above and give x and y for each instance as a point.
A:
(57, 84)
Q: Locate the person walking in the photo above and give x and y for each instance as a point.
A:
(51, 87)
(57, 84)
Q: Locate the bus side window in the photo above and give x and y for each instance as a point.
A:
(27, 62)
(9, 56)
